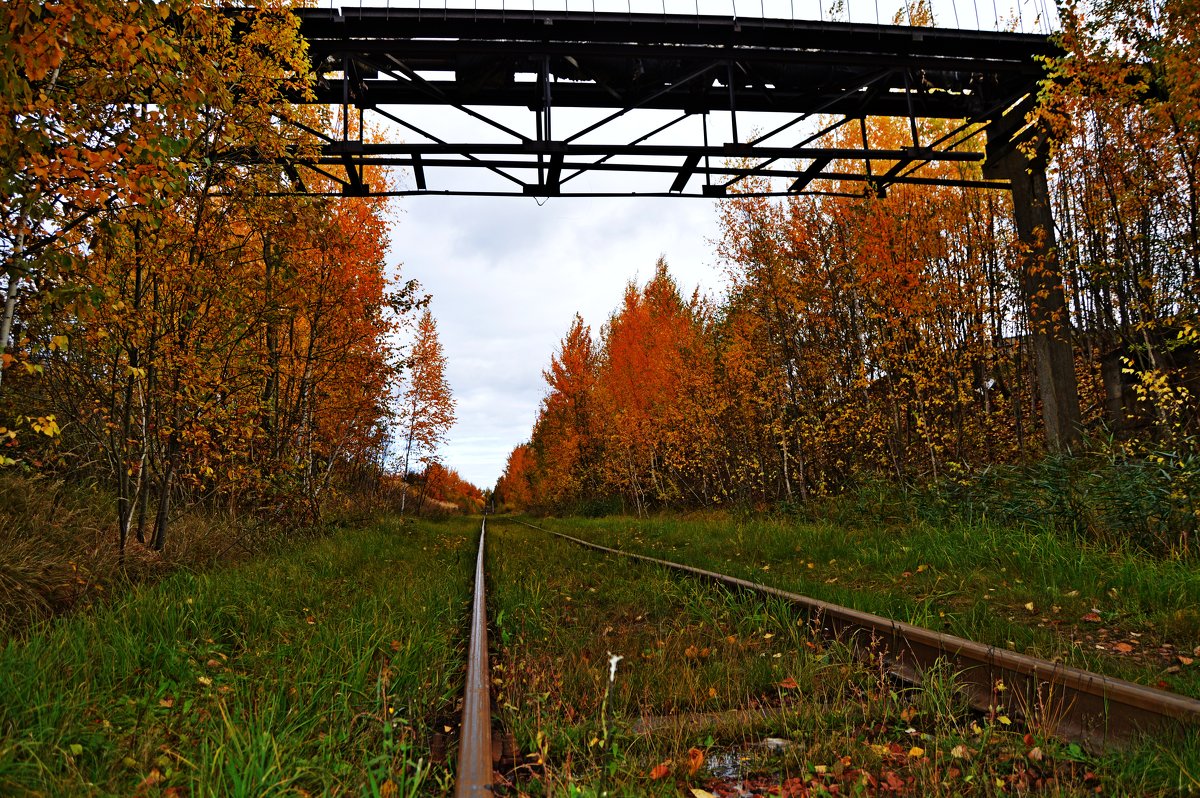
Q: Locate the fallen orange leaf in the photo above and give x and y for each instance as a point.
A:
(660, 770)
(1124, 648)
(695, 760)
(789, 684)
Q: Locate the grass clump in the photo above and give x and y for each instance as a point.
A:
(316, 671)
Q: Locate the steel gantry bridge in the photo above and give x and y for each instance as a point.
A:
(814, 78)
(499, 67)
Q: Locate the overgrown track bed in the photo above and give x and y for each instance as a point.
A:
(737, 693)
(1079, 706)
(1118, 612)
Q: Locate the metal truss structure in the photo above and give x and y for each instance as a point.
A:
(396, 63)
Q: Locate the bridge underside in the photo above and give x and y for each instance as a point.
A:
(684, 74)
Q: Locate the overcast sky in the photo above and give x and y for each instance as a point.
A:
(507, 276)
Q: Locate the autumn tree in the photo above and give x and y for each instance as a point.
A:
(81, 148)
(426, 406)
(564, 439)
(190, 349)
(514, 490)
(1127, 193)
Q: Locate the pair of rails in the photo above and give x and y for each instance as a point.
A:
(1098, 712)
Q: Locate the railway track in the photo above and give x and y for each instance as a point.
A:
(1096, 711)
(475, 733)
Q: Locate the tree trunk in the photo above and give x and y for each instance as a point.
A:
(10, 304)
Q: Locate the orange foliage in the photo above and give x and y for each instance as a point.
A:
(200, 339)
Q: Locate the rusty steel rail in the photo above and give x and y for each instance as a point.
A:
(1100, 712)
(474, 776)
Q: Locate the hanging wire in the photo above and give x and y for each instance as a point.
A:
(954, 5)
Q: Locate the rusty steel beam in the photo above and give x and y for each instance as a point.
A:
(474, 777)
(1100, 712)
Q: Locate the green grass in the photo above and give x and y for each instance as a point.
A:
(313, 672)
(720, 673)
(327, 669)
(973, 580)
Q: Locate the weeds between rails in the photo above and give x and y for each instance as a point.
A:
(1119, 613)
(707, 676)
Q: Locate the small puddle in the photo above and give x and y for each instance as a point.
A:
(725, 765)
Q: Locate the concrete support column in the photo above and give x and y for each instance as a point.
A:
(1018, 153)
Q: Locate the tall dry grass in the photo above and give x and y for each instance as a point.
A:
(59, 550)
